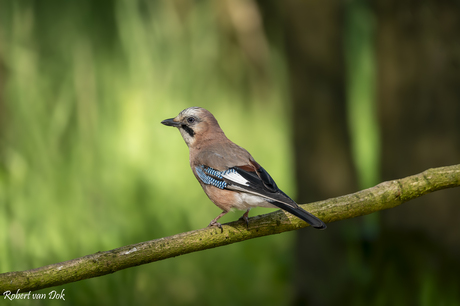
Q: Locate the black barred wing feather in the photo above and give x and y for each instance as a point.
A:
(236, 178)
(259, 183)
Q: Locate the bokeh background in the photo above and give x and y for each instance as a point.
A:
(329, 96)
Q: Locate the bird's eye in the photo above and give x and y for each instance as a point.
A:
(190, 120)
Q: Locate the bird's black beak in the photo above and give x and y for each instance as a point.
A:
(170, 122)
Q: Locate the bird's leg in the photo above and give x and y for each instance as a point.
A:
(245, 217)
(215, 223)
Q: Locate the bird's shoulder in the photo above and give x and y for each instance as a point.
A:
(221, 156)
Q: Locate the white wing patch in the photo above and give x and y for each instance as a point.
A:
(235, 177)
(216, 178)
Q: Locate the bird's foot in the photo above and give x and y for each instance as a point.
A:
(215, 223)
(245, 218)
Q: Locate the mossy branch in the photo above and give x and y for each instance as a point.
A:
(383, 196)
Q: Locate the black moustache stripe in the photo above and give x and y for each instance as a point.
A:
(188, 130)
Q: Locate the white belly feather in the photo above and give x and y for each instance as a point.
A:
(246, 200)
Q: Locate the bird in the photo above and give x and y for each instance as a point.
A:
(228, 173)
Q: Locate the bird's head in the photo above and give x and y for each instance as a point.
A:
(195, 124)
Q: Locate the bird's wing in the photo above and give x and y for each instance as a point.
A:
(230, 166)
(253, 179)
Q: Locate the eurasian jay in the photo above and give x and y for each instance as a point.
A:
(228, 174)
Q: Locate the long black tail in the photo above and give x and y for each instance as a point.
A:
(302, 214)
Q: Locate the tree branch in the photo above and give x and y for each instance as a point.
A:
(383, 196)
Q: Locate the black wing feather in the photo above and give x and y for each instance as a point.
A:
(302, 214)
(262, 184)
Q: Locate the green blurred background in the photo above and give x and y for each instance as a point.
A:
(329, 96)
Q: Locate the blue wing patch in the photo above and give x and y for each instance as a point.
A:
(217, 176)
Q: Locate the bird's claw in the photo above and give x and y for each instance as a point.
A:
(214, 223)
(245, 219)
